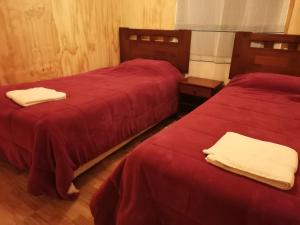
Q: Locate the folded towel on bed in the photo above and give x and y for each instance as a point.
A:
(263, 161)
(36, 95)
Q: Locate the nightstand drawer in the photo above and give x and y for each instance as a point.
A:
(195, 91)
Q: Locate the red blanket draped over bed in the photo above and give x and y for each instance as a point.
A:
(103, 108)
(166, 180)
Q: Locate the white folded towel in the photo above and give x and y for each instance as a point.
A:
(263, 161)
(34, 96)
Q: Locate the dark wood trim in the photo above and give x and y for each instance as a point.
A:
(169, 45)
(247, 58)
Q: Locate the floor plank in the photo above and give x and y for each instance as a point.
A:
(17, 207)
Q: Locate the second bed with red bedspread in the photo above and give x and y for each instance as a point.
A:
(103, 108)
(166, 179)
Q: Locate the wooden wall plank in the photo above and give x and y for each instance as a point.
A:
(43, 39)
(294, 24)
(154, 14)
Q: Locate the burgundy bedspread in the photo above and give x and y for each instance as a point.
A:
(166, 180)
(103, 108)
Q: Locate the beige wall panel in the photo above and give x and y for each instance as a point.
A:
(43, 39)
(209, 70)
(294, 27)
(151, 14)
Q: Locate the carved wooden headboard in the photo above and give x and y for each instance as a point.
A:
(258, 52)
(169, 45)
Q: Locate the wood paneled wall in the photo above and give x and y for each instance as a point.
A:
(294, 25)
(42, 39)
(148, 14)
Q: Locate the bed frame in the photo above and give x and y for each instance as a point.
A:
(170, 45)
(258, 52)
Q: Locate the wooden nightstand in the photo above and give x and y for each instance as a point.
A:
(194, 91)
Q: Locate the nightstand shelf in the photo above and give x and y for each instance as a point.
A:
(194, 91)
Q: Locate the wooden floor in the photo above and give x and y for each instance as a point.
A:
(17, 207)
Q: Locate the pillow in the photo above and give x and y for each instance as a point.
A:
(269, 81)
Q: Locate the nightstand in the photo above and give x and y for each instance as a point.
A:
(194, 91)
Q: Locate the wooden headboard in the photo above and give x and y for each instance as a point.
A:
(169, 45)
(258, 52)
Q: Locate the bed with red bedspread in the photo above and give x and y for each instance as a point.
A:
(103, 108)
(166, 179)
